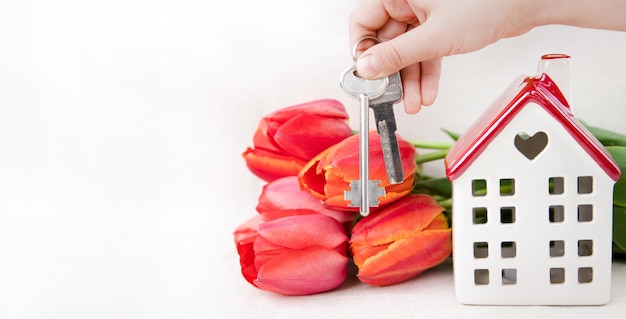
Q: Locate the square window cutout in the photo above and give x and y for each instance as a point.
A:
(508, 249)
(585, 275)
(509, 276)
(479, 187)
(557, 275)
(585, 185)
(556, 185)
(507, 187)
(556, 213)
(557, 248)
(481, 249)
(479, 215)
(585, 248)
(585, 213)
(507, 215)
(481, 276)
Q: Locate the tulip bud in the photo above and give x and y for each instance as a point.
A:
(329, 174)
(288, 138)
(400, 241)
(293, 255)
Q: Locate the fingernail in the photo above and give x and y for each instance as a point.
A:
(367, 66)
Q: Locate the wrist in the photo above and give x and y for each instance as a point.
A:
(597, 14)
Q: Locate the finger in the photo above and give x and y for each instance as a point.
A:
(430, 74)
(366, 19)
(411, 47)
(391, 29)
(411, 88)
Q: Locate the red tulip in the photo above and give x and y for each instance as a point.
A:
(283, 197)
(293, 255)
(328, 175)
(288, 138)
(400, 241)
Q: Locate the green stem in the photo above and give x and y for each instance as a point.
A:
(428, 157)
(432, 145)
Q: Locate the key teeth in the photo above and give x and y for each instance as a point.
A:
(354, 194)
(375, 192)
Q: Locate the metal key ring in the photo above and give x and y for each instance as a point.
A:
(356, 45)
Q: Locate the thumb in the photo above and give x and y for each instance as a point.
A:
(388, 57)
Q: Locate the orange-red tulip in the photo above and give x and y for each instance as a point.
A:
(283, 197)
(328, 175)
(288, 138)
(294, 255)
(400, 241)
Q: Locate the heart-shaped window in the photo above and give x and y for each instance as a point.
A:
(531, 146)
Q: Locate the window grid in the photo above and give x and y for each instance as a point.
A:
(556, 214)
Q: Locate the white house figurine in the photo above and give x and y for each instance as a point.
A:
(532, 198)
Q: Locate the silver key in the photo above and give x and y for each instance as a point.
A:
(364, 193)
(386, 127)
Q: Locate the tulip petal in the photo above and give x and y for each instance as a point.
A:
(402, 219)
(270, 166)
(245, 236)
(305, 136)
(246, 232)
(298, 232)
(361, 252)
(328, 108)
(265, 250)
(283, 197)
(269, 215)
(406, 258)
(311, 178)
(303, 272)
(262, 139)
(439, 222)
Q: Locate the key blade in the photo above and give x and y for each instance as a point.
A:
(391, 153)
(386, 127)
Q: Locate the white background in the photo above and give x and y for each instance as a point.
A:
(122, 125)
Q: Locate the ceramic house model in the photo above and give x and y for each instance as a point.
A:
(533, 191)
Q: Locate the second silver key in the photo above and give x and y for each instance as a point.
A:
(386, 127)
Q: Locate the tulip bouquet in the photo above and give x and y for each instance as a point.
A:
(305, 235)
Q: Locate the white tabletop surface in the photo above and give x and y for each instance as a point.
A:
(122, 125)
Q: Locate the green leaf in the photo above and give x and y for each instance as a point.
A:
(606, 137)
(619, 192)
(619, 229)
(454, 136)
(436, 186)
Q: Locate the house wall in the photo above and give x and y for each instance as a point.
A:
(532, 230)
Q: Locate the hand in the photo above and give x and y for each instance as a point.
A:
(416, 34)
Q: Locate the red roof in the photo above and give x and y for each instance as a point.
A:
(541, 90)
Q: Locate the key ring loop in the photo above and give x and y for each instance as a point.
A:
(356, 45)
